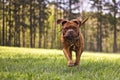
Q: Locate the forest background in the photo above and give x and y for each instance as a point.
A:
(32, 23)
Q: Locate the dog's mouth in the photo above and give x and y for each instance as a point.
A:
(71, 38)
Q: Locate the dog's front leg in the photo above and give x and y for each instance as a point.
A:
(68, 56)
(78, 56)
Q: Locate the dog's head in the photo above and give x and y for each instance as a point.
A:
(71, 28)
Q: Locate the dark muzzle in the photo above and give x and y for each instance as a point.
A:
(70, 36)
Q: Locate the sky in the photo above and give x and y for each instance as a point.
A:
(86, 6)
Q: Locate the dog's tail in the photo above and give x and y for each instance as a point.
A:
(83, 21)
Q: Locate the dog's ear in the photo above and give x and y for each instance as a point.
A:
(78, 22)
(63, 21)
(83, 21)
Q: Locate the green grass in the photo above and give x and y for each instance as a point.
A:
(42, 64)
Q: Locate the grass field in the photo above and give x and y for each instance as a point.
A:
(42, 64)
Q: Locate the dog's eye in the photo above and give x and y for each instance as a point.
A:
(74, 28)
(66, 28)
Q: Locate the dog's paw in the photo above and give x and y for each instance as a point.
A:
(76, 64)
(70, 64)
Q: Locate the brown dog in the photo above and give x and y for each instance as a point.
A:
(72, 39)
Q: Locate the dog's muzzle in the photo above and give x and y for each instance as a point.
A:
(70, 36)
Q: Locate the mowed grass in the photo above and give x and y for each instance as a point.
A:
(46, 64)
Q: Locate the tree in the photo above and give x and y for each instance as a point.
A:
(31, 42)
(10, 24)
(98, 4)
(43, 16)
(69, 7)
(3, 24)
(113, 8)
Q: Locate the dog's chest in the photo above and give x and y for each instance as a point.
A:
(73, 47)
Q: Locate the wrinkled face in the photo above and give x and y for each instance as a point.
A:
(70, 30)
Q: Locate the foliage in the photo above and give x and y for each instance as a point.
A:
(69, 7)
(113, 7)
(32, 23)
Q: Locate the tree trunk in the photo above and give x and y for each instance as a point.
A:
(70, 10)
(3, 28)
(34, 35)
(23, 37)
(99, 29)
(10, 26)
(115, 27)
(40, 25)
(31, 44)
(115, 32)
(99, 37)
(23, 27)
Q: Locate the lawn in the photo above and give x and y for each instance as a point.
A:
(46, 64)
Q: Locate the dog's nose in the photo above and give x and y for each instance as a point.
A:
(69, 35)
(70, 31)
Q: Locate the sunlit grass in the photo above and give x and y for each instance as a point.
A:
(47, 64)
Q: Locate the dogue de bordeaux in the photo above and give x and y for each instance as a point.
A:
(72, 39)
